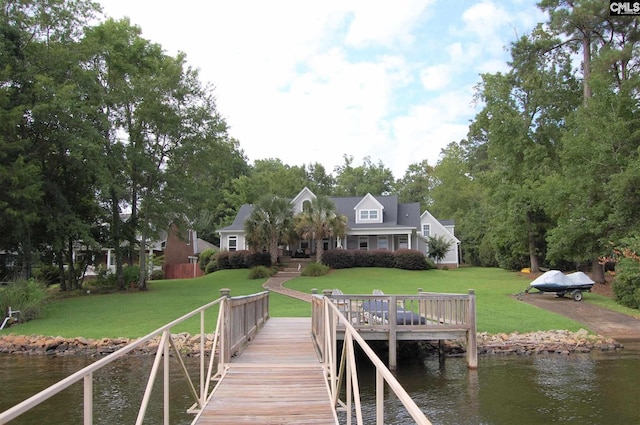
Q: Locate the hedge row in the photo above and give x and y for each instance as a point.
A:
(407, 259)
(242, 259)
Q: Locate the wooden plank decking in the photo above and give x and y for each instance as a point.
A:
(278, 379)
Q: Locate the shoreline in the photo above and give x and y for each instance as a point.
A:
(541, 342)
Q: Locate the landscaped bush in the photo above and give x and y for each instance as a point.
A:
(626, 288)
(131, 274)
(315, 269)
(157, 275)
(212, 266)
(410, 259)
(254, 259)
(242, 259)
(338, 259)
(260, 272)
(382, 258)
(407, 259)
(28, 296)
(206, 257)
(237, 259)
(363, 259)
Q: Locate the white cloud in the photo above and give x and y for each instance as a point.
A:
(310, 81)
(436, 77)
(384, 22)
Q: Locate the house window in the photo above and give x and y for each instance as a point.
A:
(363, 243)
(426, 230)
(403, 242)
(368, 214)
(233, 243)
(383, 242)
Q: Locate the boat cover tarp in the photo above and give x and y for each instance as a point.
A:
(556, 277)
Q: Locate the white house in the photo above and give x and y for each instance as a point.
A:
(373, 222)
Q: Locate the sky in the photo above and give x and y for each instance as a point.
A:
(312, 81)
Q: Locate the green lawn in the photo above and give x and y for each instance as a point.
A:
(133, 314)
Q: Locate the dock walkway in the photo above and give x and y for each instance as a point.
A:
(278, 379)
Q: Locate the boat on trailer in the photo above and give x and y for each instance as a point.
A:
(562, 284)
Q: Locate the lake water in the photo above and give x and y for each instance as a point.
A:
(600, 388)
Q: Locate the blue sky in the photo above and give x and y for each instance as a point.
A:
(311, 81)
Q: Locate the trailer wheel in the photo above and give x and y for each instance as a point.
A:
(577, 295)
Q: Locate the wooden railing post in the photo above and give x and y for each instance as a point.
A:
(393, 324)
(225, 333)
(472, 344)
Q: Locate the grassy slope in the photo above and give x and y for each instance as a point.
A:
(133, 314)
(496, 311)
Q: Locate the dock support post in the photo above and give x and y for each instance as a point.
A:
(393, 322)
(472, 343)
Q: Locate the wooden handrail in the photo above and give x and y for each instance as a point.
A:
(238, 320)
(326, 316)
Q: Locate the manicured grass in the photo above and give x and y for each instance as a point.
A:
(497, 311)
(133, 314)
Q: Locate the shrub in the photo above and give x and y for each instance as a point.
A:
(28, 296)
(206, 257)
(212, 266)
(131, 274)
(315, 269)
(242, 260)
(48, 275)
(254, 259)
(157, 275)
(410, 259)
(626, 288)
(222, 259)
(105, 279)
(363, 258)
(383, 258)
(338, 259)
(260, 272)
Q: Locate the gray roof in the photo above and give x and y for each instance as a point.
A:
(394, 215)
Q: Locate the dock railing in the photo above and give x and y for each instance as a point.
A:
(425, 316)
(326, 318)
(238, 319)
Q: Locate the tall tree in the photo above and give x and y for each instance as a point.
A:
(609, 47)
(366, 178)
(269, 223)
(320, 221)
(417, 184)
(43, 135)
(521, 124)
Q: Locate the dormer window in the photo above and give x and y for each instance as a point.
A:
(368, 215)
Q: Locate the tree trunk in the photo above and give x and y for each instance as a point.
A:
(586, 67)
(115, 240)
(73, 283)
(531, 237)
(142, 260)
(319, 250)
(273, 251)
(63, 280)
(597, 271)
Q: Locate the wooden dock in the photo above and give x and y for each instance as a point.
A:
(278, 379)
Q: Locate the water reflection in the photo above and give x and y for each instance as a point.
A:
(118, 390)
(590, 389)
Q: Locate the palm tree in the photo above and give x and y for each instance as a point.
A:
(320, 221)
(270, 222)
